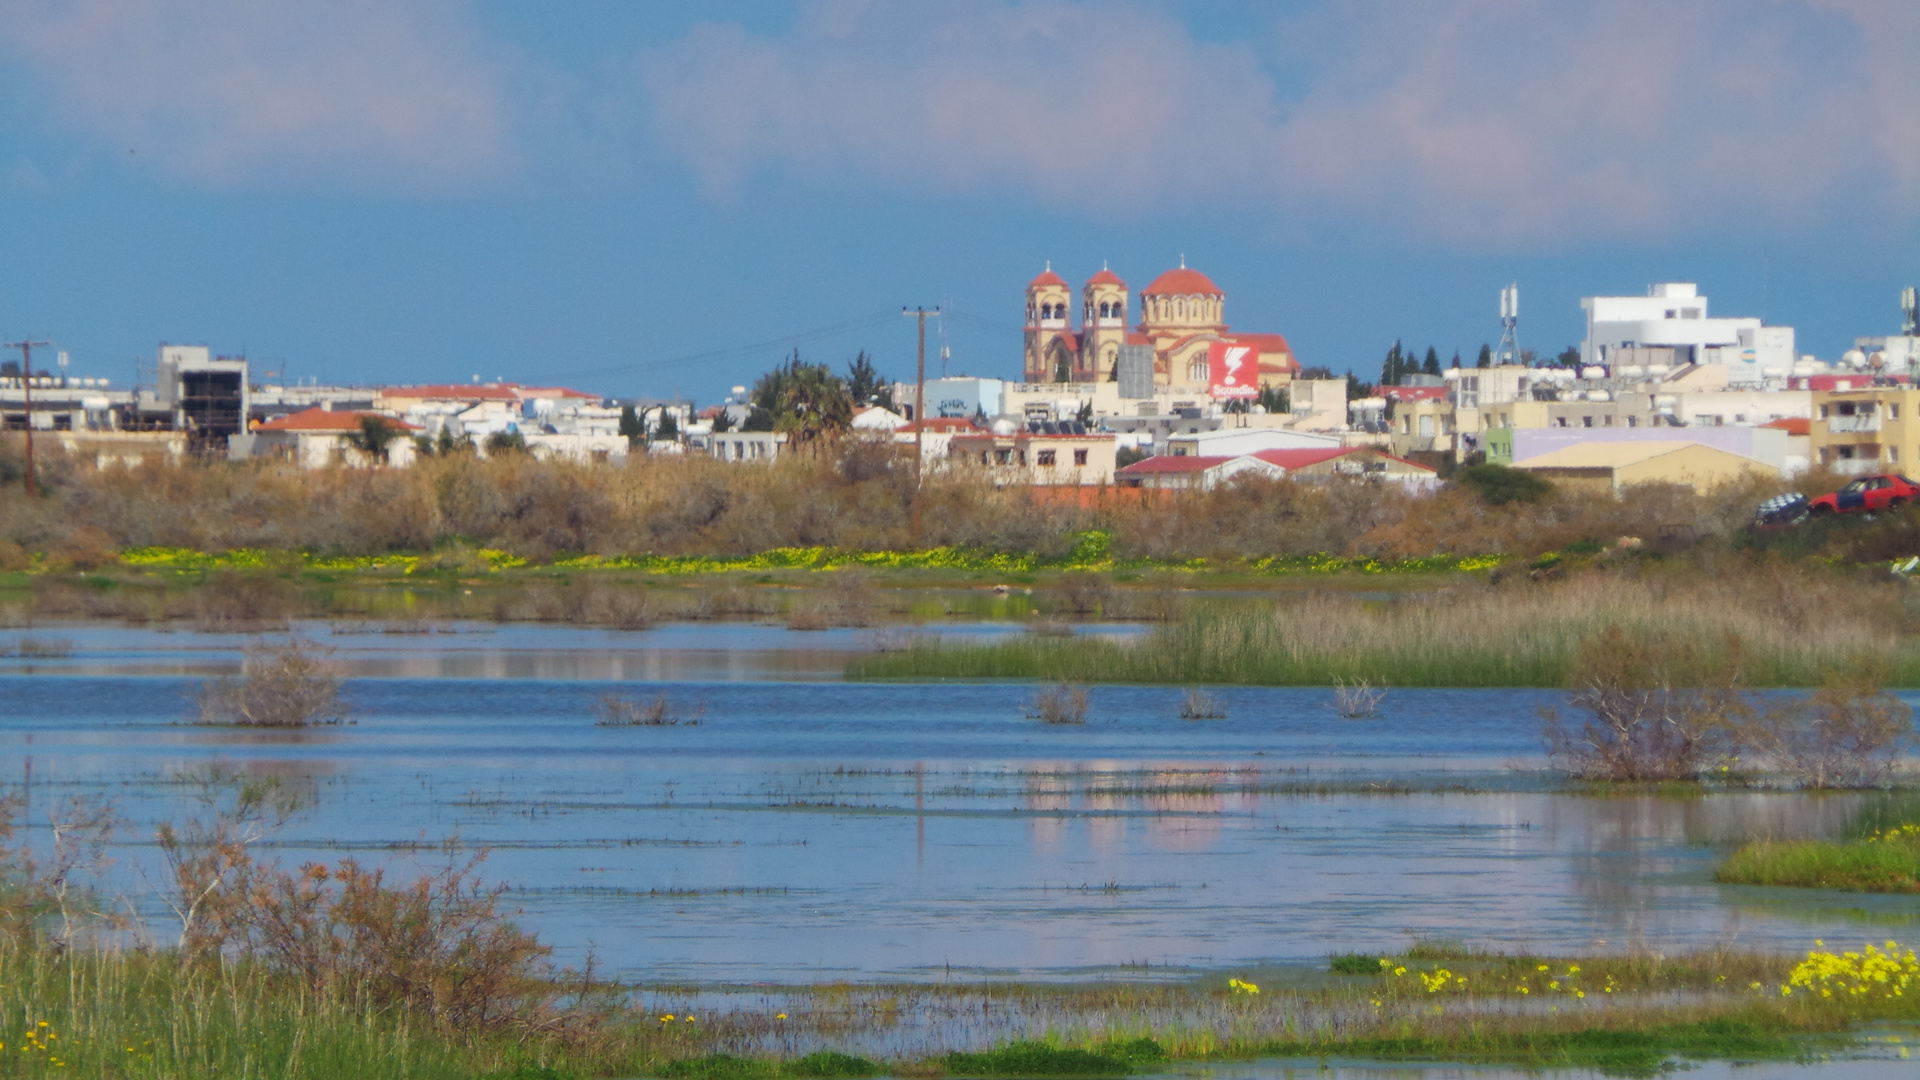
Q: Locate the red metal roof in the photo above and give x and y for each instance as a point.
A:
(1170, 463)
(1792, 425)
(1182, 282)
(1302, 457)
(319, 419)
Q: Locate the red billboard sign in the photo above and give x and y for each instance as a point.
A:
(1233, 370)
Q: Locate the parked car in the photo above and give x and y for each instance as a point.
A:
(1788, 509)
(1869, 493)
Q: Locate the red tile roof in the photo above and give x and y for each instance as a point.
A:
(943, 423)
(1792, 425)
(455, 392)
(1182, 282)
(554, 392)
(318, 419)
(1047, 277)
(1267, 343)
(1106, 277)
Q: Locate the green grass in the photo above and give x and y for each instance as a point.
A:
(819, 1065)
(1851, 866)
(1354, 964)
(1038, 1059)
(1609, 1050)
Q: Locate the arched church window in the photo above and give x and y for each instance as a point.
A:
(1197, 369)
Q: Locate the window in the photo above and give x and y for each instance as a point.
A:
(1079, 457)
(1823, 412)
(1893, 455)
(1043, 457)
(1426, 425)
(1607, 420)
(1002, 457)
(1633, 421)
(1559, 421)
(1586, 421)
(1893, 411)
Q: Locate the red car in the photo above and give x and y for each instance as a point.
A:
(1868, 493)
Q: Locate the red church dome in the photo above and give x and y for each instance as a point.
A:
(1106, 277)
(1182, 282)
(1047, 277)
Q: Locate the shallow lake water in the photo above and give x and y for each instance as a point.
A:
(807, 829)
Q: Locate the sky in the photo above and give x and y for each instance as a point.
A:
(657, 199)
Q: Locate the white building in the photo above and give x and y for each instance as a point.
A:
(1670, 326)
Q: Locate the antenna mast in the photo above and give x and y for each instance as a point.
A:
(1509, 325)
(919, 409)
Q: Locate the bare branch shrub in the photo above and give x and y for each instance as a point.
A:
(1200, 705)
(287, 683)
(1079, 593)
(208, 852)
(1063, 704)
(82, 829)
(1657, 709)
(1357, 700)
(622, 608)
(1847, 734)
(233, 599)
(617, 711)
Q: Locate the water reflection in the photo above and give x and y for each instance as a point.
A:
(806, 829)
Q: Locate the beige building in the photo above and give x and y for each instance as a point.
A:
(1610, 466)
(1865, 431)
(1027, 457)
(316, 438)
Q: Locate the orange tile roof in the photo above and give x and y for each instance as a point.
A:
(1182, 282)
(318, 419)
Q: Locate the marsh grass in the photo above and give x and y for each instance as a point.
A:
(1793, 633)
(33, 648)
(1887, 862)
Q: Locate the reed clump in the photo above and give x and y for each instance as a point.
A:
(1063, 704)
(615, 710)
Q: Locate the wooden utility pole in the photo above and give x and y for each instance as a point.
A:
(919, 411)
(26, 388)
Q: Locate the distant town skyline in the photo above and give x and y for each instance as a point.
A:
(654, 199)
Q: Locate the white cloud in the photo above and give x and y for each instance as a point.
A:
(231, 92)
(1509, 121)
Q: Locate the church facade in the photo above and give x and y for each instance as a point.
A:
(1181, 314)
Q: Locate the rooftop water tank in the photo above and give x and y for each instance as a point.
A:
(1593, 371)
(1632, 371)
(1004, 427)
(1853, 358)
(1598, 395)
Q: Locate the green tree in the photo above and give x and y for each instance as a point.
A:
(1390, 367)
(1274, 400)
(864, 383)
(667, 428)
(1498, 485)
(501, 443)
(722, 421)
(808, 401)
(1357, 389)
(632, 428)
(375, 436)
(1486, 357)
(1569, 357)
(1432, 364)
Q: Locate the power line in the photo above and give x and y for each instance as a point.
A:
(861, 323)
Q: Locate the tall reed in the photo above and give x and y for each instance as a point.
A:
(1507, 636)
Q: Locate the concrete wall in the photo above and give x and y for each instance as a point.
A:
(1769, 445)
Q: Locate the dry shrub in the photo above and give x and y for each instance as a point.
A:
(1080, 593)
(1063, 704)
(629, 608)
(1847, 734)
(1357, 700)
(438, 946)
(85, 548)
(809, 615)
(616, 711)
(13, 557)
(1657, 708)
(1200, 705)
(730, 600)
(287, 683)
(237, 599)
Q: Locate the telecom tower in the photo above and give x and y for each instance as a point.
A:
(1509, 352)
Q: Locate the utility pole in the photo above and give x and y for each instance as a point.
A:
(919, 410)
(26, 388)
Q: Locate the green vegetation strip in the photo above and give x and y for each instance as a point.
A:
(1611, 1051)
(1091, 552)
(1883, 862)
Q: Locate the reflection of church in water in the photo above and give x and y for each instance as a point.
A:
(1181, 313)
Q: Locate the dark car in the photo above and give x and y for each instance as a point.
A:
(1869, 493)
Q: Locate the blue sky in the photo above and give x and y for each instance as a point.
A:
(629, 196)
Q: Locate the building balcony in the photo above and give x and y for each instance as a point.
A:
(1855, 466)
(1841, 425)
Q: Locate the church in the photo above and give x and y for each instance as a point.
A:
(1181, 314)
